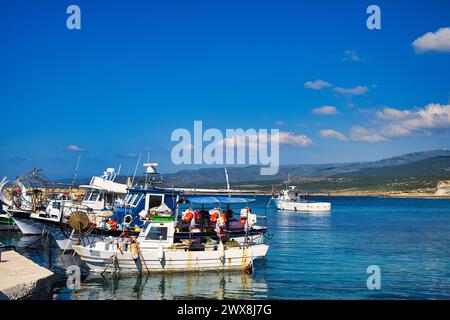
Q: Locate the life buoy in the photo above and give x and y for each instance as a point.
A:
(187, 216)
(196, 215)
(245, 212)
(221, 221)
(112, 224)
(127, 220)
(243, 220)
(213, 215)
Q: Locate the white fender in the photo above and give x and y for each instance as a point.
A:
(143, 214)
(160, 253)
(221, 250)
(134, 251)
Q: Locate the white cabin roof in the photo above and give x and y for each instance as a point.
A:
(99, 183)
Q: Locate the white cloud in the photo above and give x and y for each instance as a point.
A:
(351, 55)
(325, 110)
(329, 133)
(317, 85)
(395, 131)
(358, 133)
(128, 155)
(433, 41)
(280, 123)
(75, 148)
(295, 140)
(391, 113)
(251, 140)
(359, 90)
(405, 122)
(397, 123)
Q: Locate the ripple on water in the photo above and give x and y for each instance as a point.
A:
(312, 256)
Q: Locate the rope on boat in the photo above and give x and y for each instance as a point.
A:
(38, 239)
(142, 256)
(67, 243)
(113, 259)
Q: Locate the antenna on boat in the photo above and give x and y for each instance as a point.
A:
(150, 171)
(118, 170)
(74, 178)
(228, 182)
(128, 181)
(135, 169)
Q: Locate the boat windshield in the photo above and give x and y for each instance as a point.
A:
(91, 195)
(132, 199)
(157, 233)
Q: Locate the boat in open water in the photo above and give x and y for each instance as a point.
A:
(292, 200)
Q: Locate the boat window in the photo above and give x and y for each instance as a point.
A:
(154, 201)
(91, 196)
(136, 200)
(144, 228)
(128, 197)
(156, 232)
(108, 198)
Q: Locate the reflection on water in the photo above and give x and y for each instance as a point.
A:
(172, 286)
(311, 256)
(306, 220)
(229, 285)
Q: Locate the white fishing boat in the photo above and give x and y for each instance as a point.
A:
(154, 250)
(291, 200)
(102, 194)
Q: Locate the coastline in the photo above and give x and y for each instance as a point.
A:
(389, 194)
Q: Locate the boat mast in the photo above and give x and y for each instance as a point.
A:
(287, 182)
(135, 169)
(228, 182)
(74, 178)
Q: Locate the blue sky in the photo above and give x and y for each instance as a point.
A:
(137, 70)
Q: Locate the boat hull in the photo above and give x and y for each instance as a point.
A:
(36, 226)
(28, 227)
(302, 206)
(174, 260)
(7, 223)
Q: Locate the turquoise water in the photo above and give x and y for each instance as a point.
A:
(312, 256)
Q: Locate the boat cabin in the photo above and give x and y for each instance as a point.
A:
(159, 230)
(293, 194)
(103, 192)
(141, 204)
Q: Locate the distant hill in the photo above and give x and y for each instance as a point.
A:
(404, 171)
(422, 174)
(214, 177)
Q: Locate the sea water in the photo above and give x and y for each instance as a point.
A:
(312, 256)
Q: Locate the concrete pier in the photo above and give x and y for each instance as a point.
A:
(21, 278)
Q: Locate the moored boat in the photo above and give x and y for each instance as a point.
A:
(291, 200)
(102, 194)
(154, 250)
